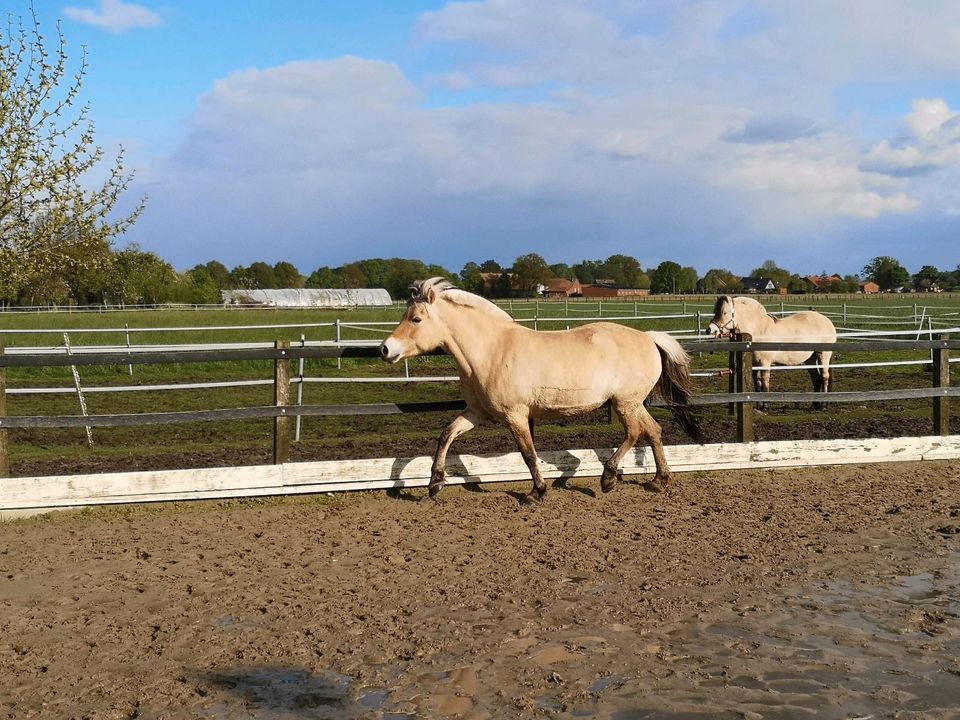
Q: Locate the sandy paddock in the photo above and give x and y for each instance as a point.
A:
(822, 593)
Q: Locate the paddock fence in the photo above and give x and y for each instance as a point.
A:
(31, 495)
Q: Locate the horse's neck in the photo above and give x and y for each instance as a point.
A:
(754, 320)
(472, 335)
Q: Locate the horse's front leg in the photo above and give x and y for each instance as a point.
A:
(522, 432)
(461, 424)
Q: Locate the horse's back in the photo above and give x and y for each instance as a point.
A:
(806, 326)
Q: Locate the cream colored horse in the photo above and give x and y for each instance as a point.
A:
(746, 315)
(513, 374)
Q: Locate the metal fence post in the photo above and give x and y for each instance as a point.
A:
(941, 379)
(281, 396)
(744, 365)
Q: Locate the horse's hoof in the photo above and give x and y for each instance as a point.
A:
(532, 498)
(434, 489)
(607, 486)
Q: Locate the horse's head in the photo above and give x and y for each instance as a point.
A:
(420, 331)
(724, 317)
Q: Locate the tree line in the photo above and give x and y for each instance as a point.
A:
(132, 276)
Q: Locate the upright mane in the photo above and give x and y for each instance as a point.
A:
(436, 288)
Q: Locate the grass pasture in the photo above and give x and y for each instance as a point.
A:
(45, 451)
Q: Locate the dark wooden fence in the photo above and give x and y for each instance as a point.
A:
(740, 398)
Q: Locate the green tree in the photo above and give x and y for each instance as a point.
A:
(287, 275)
(529, 271)
(325, 277)
(217, 272)
(262, 276)
(927, 277)
(687, 280)
(490, 266)
(51, 209)
(141, 278)
(624, 270)
(562, 270)
(720, 281)
(588, 271)
(666, 278)
(471, 278)
(886, 272)
(769, 269)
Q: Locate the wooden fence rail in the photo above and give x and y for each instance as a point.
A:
(740, 361)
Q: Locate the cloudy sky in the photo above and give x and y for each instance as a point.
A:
(817, 134)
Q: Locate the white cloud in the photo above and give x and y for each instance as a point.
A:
(631, 130)
(115, 16)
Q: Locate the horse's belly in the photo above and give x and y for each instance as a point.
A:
(798, 357)
(552, 402)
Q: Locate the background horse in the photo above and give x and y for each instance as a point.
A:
(746, 315)
(513, 374)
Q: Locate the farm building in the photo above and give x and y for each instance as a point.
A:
(764, 286)
(612, 290)
(869, 288)
(561, 288)
(309, 297)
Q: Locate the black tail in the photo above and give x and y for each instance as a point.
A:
(676, 390)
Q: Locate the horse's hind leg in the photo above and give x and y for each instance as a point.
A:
(631, 424)
(521, 429)
(461, 424)
(640, 425)
(820, 375)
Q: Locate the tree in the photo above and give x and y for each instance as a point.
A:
(666, 278)
(471, 278)
(287, 275)
(217, 272)
(588, 271)
(927, 278)
(624, 270)
(530, 271)
(886, 272)
(687, 280)
(49, 215)
(141, 278)
(325, 277)
(262, 276)
(769, 269)
(490, 266)
(720, 281)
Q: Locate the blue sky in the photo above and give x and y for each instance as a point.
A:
(720, 133)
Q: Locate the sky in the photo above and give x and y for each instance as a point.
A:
(717, 134)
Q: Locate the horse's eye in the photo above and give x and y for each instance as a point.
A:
(417, 320)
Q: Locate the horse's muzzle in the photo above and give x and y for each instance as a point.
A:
(390, 355)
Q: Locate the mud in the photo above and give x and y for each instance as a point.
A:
(821, 593)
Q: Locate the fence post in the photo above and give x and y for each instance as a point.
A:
(941, 379)
(744, 365)
(4, 446)
(300, 367)
(281, 396)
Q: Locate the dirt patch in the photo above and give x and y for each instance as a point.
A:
(821, 592)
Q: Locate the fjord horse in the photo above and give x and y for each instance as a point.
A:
(746, 315)
(512, 374)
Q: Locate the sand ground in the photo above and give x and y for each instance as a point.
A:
(823, 593)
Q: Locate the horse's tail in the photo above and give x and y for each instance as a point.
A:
(674, 385)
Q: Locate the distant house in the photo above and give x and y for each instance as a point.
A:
(869, 288)
(823, 283)
(609, 289)
(563, 288)
(759, 286)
